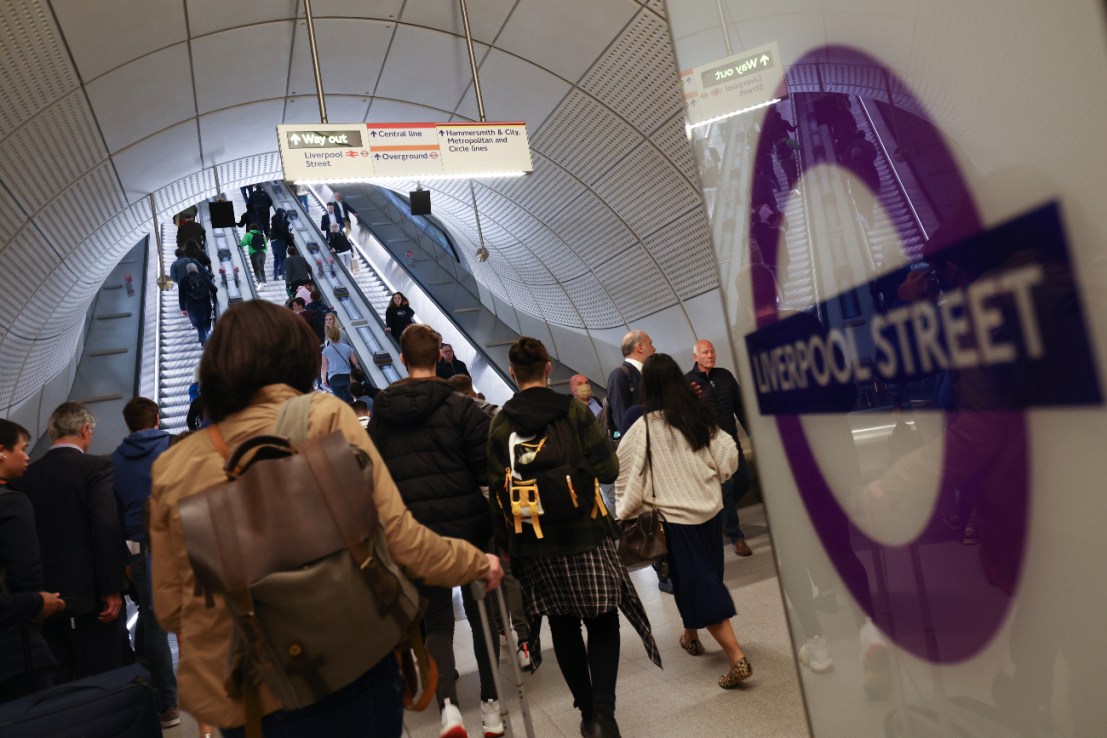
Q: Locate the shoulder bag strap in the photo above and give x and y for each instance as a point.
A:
(292, 420)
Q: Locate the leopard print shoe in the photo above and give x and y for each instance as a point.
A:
(737, 674)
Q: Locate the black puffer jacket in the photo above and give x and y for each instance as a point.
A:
(433, 441)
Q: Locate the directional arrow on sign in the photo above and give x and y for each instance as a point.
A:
(764, 58)
(294, 138)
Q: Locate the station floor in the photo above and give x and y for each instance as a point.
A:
(682, 699)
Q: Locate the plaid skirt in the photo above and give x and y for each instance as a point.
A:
(584, 585)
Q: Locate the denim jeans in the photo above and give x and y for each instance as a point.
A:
(371, 706)
(280, 252)
(202, 323)
(340, 386)
(159, 660)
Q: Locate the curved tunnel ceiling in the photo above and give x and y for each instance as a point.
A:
(103, 103)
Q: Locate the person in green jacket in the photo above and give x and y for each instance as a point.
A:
(255, 240)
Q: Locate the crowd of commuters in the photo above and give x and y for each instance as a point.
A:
(439, 453)
(72, 523)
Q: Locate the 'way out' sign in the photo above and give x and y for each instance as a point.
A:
(728, 86)
(345, 152)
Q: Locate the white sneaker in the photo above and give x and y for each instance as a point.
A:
(452, 725)
(815, 655)
(491, 718)
(523, 656)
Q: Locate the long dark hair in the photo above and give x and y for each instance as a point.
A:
(665, 388)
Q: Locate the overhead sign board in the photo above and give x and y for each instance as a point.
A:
(732, 85)
(365, 151)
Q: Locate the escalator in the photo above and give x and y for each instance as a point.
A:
(353, 295)
(178, 349)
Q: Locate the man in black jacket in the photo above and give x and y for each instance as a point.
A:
(81, 543)
(718, 389)
(259, 205)
(449, 365)
(433, 441)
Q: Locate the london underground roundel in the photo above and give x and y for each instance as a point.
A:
(981, 325)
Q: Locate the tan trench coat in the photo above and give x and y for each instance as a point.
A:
(204, 632)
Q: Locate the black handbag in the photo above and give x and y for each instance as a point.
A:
(643, 542)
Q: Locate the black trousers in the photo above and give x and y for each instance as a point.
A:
(83, 646)
(590, 672)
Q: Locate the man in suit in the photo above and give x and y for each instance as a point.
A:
(81, 544)
(343, 209)
(625, 379)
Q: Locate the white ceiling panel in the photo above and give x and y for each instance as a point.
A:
(210, 16)
(121, 98)
(340, 109)
(58, 145)
(149, 164)
(637, 76)
(586, 157)
(635, 283)
(514, 89)
(486, 17)
(538, 30)
(73, 214)
(36, 67)
(640, 181)
(244, 129)
(242, 65)
(351, 53)
(11, 216)
(29, 257)
(355, 8)
(149, 25)
(428, 67)
(397, 111)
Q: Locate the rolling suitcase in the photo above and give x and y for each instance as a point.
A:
(479, 593)
(116, 704)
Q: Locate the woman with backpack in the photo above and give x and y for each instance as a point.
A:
(565, 557)
(259, 357)
(674, 459)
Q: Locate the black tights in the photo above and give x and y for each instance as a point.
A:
(590, 673)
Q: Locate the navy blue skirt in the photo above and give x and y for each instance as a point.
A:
(696, 568)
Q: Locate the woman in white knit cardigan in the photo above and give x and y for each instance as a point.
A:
(675, 458)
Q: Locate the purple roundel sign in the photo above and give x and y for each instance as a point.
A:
(982, 325)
